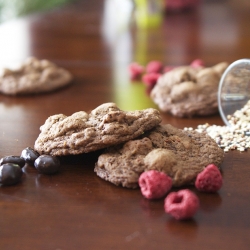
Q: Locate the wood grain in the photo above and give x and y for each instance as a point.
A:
(76, 209)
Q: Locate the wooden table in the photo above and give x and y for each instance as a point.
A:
(75, 209)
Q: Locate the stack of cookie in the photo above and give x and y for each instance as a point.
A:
(133, 142)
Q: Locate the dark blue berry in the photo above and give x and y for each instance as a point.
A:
(13, 159)
(47, 164)
(10, 174)
(29, 155)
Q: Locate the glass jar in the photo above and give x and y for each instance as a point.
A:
(234, 88)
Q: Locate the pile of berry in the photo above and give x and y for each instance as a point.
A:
(11, 166)
(184, 203)
(150, 73)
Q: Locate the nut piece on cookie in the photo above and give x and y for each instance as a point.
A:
(180, 154)
(187, 91)
(104, 126)
(32, 77)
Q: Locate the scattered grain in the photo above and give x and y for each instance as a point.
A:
(233, 137)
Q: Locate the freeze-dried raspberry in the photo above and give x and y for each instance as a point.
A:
(182, 204)
(197, 63)
(150, 79)
(135, 71)
(154, 184)
(209, 180)
(154, 67)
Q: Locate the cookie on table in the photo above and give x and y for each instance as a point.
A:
(104, 126)
(188, 91)
(178, 153)
(32, 77)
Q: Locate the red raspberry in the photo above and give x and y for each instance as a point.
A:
(209, 180)
(135, 71)
(197, 63)
(182, 204)
(154, 184)
(154, 67)
(150, 79)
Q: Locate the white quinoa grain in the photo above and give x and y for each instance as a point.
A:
(233, 137)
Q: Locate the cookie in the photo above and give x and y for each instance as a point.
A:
(104, 126)
(34, 76)
(178, 153)
(189, 91)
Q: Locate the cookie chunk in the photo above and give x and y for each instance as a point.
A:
(34, 76)
(178, 153)
(82, 132)
(189, 91)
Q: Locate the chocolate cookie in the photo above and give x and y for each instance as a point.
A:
(187, 91)
(34, 76)
(82, 132)
(180, 154)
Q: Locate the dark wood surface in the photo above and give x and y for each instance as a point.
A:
(75, 209)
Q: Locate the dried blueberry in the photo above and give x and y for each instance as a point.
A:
(10, 174)
(47, 164)
(13, 159)
(29, 155)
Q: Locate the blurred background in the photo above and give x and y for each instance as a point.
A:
(14, 8)
(174, 32)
